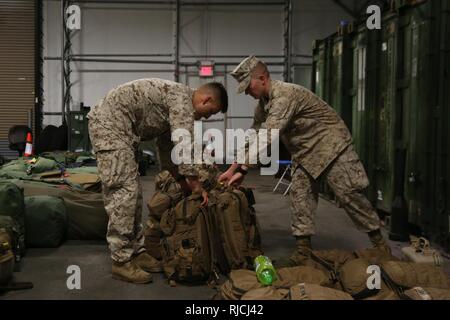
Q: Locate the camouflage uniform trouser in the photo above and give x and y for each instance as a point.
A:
(347, 178)
(122, 196)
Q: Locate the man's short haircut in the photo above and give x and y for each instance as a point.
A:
(260, 69)
(220, 93)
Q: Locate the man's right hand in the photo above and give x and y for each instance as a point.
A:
(227, 175)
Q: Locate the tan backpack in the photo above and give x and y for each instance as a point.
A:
(188, 252)
(237, 239)
(198, 243)
(167, 194)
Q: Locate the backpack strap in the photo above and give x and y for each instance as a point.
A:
(334, 273)
(392, 285)
(214, 276)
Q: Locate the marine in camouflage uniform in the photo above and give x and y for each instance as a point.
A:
(320, 145)
(141, 109)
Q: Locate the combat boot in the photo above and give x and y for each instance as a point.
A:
(130, 272)
(301, 255)
(147, 263)
(378, 241)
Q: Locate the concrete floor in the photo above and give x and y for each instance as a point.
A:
(46, 268)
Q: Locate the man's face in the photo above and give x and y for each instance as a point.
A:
(257, 87)
(205, 108)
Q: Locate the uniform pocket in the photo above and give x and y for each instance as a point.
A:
(355, 169)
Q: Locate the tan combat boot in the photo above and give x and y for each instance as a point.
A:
(129, 272)
(378, 241)
(301, 255)
(147, 263)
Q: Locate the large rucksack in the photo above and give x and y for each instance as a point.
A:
(187, 249)
(238, 234)
(167, 194)
(200, 243)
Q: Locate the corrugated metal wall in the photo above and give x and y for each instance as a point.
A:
(17, 67)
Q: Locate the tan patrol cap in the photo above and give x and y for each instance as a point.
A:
(242, 73)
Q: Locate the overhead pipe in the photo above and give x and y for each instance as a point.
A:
(80, 55)
(122, 61)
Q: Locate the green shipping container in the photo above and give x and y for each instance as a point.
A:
(340, 77)
(442, 179)
(364, 46)
(417, 101)
(319, 83)
(383, 104)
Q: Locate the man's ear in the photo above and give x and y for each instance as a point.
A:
(207, 100)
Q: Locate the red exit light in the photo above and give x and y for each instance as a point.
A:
(206, 70)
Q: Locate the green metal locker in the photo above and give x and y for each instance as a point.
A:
(384, 103)
(320, 71)
(417, 100)
(364, 46)
(340, 78)
(442, 180)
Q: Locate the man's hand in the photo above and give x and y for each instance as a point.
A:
(195, 186)
(205, 198)
(227, 175)
(236, 180)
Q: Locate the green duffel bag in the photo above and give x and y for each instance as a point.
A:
(86, 213)
(45, 221)
(12, 205)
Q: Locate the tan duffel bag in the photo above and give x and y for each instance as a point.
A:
(307, 291)
(419, 293)
(243, 281)
(353, 277)
(406, 275)
(266, 293)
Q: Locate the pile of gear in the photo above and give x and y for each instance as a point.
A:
(46, 200)
(196, 244)
(370, 274)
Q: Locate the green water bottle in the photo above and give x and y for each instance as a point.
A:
(265, 272)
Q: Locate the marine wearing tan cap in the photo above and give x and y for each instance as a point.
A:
(242, 73)
(321, 146)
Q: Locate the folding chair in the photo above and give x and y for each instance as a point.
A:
(282, 181)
